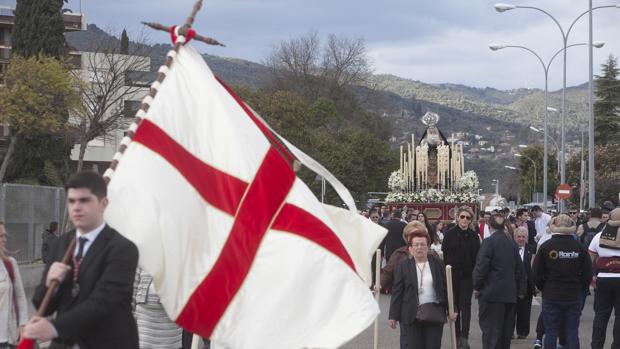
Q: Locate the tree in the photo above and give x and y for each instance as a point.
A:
(360, 159)
(39, 28)
(301, 65)
(607, 172)
(527, 182)
(113, 78)
(39, 31)
(34, 99)
(124, 49)
(607, 105)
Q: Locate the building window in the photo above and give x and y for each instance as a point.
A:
(97, 142)
(131, 108)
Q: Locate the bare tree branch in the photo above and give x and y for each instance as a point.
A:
(107, 85)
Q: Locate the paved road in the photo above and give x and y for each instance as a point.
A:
(389, 338)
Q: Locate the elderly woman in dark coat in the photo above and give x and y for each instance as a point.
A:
(420, 279)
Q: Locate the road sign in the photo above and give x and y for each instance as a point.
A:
(563, 192)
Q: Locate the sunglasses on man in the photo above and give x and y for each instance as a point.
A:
(465, 217)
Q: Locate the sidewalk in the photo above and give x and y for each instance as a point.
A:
(389, 338)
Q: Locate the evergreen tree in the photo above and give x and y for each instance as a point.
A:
(124, 43)
(39, 28)
(607, 105)
(39, 31)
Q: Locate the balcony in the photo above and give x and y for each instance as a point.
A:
(6, 15)
(5, 54)
(140, 78)
(74, 21)
(74, 60)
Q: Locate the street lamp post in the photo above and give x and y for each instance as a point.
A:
(546, 67)
(496, 186)
(501, 7)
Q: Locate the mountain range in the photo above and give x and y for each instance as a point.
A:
(499, 117)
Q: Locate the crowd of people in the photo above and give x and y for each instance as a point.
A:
(503, 260)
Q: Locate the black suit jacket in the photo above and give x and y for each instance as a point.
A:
(531, 236)
(100, 316)
(498, 274)
(527, 268)
(394, 238)
(404, 301)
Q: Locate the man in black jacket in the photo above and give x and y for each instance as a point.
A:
(498, 282)
(524, 305)
(523, 220)
(562, 270)
(394, 238)
(460, 247)
(93, 301)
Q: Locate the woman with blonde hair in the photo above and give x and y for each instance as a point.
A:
(13, 304)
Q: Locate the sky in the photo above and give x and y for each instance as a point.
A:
(434, 41)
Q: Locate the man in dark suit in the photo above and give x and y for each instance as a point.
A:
(498, 282)
(394, 238)
(524, 305)
(93, 301)
(523, 220)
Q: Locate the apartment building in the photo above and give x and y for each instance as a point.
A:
(90, 67)
(137, 79)
(73, 22)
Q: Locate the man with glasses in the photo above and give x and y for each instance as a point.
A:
(460, 247)
(374, 215)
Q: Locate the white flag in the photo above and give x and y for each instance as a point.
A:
(240, 249)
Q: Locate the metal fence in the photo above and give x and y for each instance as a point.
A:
(27, 211)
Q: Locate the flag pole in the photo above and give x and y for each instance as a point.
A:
(451, 306)
(377, 289)
(161, 75)
(27, 343)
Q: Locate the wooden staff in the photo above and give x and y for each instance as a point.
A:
(27, 343)
(195, 341)
(377, 289)
(451, 306)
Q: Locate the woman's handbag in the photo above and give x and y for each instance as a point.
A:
(431, 314)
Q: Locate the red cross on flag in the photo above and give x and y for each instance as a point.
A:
(240, 249)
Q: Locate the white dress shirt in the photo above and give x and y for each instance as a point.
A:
(90, 236)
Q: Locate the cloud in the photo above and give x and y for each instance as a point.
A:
(427, 40)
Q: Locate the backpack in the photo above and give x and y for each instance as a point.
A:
(588, 233)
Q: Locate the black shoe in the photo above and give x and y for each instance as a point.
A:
(522, 336)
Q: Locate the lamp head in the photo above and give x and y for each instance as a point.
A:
(501, 7)
(510, 167)
(598, 44)
(518, 155)
(522, 146)
(534, 129)
(495, 47)
(552, 109)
